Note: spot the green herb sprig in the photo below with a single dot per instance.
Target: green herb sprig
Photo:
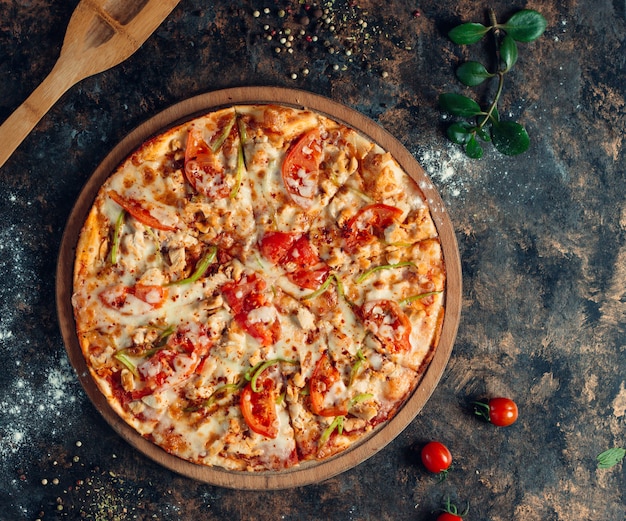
(475, 124)
(611, 457)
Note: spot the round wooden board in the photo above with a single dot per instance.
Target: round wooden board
(309, 472)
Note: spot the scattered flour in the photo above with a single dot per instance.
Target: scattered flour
(445, 167)
(32, 404)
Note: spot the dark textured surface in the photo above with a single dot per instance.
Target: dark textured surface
(541, 239)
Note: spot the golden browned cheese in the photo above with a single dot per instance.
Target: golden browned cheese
(221, 260)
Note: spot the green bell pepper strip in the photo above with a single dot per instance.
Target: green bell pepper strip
(362, 397)
(239, 173)
(413, 298)
(225, 389)
(321, 289)
(369, 272)
(332, 277)
(337, 423)
(201, 268)
(117, 236)
(356, 366)
(262, 366)
(122, 357)
(220, 140)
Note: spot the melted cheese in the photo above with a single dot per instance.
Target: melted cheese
(182, 354)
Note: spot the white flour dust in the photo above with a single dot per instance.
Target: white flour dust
(445, 167)
(32, 403)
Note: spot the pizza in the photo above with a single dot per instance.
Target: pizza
(258, 287)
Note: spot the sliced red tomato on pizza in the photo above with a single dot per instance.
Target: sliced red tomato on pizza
(172, 363)
(141, 211)
(369, 223)
(388, 323)
(300, 169)
(275, 245)
(259, 407)
(133, 300)
(203, 169)
(251, 309)
(325, 389)
(310, 271)
(304, 266)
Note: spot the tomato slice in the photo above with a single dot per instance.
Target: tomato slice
(135, 208)
(389, 324)
(252, 310)
(370, 222)
(174, 362)
(116, 297)
(300, 169)
(245, 294)
(153, 295)
(202, 168)
(259, 408)
(324, 377)
(310, 271)
(306, 268)
(309, 279)
(275, 245)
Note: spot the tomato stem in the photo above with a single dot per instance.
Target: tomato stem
(481, 409)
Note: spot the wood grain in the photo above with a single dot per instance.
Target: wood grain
(308, 472)
(100, 35)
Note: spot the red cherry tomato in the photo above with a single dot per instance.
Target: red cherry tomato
(451, 512)
(500, 411)
(447, 516)
(436, 457)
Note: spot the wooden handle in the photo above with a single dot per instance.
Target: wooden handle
(19, 124)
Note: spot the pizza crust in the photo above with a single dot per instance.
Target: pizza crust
(209, 264)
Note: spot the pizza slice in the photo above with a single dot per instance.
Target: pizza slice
(296, 161)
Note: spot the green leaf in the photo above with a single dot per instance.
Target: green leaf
(483, 134)
(459, 132)
(508, 52)
(468, 33)
(495, 115)
(473, 149)
(510, 138)
(610, 457)
(525, 25)
(459, 105)
(473, 73)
